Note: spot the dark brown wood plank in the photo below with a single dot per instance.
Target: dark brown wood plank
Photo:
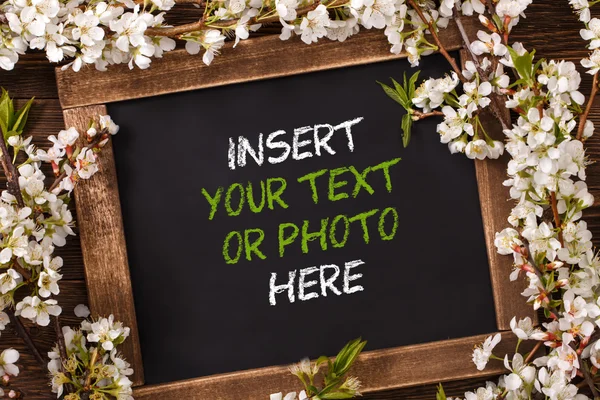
(103, 241)
(261, 58)
(34, 76)
(380, 370)
(33, 380)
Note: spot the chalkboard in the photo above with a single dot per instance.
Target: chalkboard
(405, 263)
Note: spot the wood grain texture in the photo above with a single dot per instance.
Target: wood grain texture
(34, 76)
(107, 270)
(103, 242)
(260, 58)
(379, 370)
(33, 380)
(495, 208)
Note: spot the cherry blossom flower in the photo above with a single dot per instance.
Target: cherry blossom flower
(482, 353)
(36, 310)
(313, 24)
(8, 358)
(82, 311)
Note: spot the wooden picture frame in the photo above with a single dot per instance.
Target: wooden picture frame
(83, 95)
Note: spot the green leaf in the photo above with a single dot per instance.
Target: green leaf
(402, 93)
(440, 395)
(313, 389)
(322, 360)
(523, 64)
(411, 85)
(406, 128)
(347, 356)
(5, 111)
(330, 385)
(337, 395)
(21, 117)
(393, 94)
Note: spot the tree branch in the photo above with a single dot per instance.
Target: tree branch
(436, 38)
(19, 268)
(57, 181)
(11, 174)
(176, 31)
(556, 215)
(495, 107)
(589, 379)
(62, 350)
(533, 351)
(584, 116)
(23, 333)
(418, 115)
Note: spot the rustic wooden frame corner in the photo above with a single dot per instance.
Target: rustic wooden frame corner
(83, 95)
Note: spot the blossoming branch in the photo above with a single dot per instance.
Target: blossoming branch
(34, 220)
(103, 33)
(548, 239)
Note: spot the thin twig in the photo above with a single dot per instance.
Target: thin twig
(556, 215)
(495, 107)
(57, 181)
(12, 175)
(588, 107)
(588, 378)
(418, 115)
(436, 38)
(175, 31)
(62, 350)
(23, 333)
(533, 351)
(19, 268)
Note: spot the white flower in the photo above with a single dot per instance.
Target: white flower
(524, 328)
(289, 396)
(511, 8)
(105, 331)
(36, 310)
(377, 13)
(507, 240)
(482, 353)
(242, 30)
(453, 125)
(87, 31)
(495, 149)
(592, 62)
(287, 9)
(592, 33)
(520, 372)
(341, 30)
(477, 149)
(487, 43)
(162, 45)
(314, 23)
(82, 311)
(85, 163)
(468, 6)
(9, 280)
(8, 358)
(48, 282)
(211, 40)
(582, 7)
(130, 29)
(431, 93)
(475, 96)
(4, 320)
(107, 123)
(25, 24)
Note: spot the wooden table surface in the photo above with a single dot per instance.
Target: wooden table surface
(550, 28)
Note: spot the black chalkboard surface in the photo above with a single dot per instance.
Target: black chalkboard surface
(377, 240)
